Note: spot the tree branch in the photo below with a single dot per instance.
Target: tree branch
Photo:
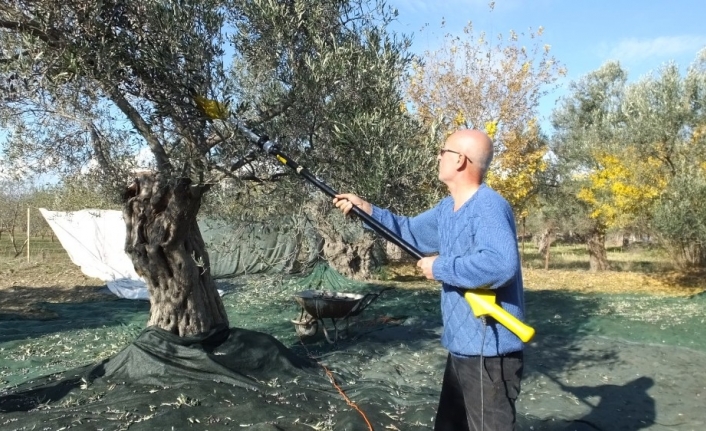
(97, 144)
(279, 109)
(160, 156)
(31, 28)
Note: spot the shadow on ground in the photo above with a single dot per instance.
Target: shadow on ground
(47, 318)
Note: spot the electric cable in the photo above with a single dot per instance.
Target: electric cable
(340, 390)
(482, 398)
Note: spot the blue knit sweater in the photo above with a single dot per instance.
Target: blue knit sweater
(477, 248)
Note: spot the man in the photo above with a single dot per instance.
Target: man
(473, 232)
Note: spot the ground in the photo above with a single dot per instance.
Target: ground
(614, 350)
(69, 284)
(25, 286)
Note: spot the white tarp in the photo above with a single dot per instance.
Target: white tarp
(95, 241)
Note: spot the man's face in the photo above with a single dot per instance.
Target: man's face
(449, 159)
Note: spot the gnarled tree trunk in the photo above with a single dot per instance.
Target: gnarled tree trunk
(354, 260)
(688, 255)
(598, 258)
(346, 246)
(165, 245)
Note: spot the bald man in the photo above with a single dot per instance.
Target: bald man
(471, 243)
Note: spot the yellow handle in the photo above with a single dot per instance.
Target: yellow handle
(482, 302)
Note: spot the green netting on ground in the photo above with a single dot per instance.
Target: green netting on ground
(646, 319)
(609, 362)
(323, 277)
(287, 245)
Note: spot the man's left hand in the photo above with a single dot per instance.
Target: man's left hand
(426, 264)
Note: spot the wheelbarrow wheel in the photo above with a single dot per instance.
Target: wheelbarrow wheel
(306, 327)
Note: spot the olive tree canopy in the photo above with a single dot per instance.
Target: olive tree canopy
(95, 84)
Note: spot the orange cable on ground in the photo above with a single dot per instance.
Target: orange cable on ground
(343, 394)
(340, 390)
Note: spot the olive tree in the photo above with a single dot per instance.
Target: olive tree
(12, 213)
(666, 122)
(632, 153)
(586, 120)
(99, 82)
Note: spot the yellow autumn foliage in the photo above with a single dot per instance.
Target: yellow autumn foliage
(459, 120)
(514, 174)
(491, 128)
(622, 187)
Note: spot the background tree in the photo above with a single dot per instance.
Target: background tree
(586, 121)
(102, 81)
(519, 172)
(627, 150)
(666, 124)
(13, 213)
(473, 82)
(558, 214)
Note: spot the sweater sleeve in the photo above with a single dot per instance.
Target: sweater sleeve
(493, 259)
(420, 231)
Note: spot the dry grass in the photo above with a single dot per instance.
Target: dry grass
(23, 284)
(635, 271)
(668, 283)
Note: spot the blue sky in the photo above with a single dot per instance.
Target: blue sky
(642, 35)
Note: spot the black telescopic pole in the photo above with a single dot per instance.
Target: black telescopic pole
(271, 148)
(482, 301)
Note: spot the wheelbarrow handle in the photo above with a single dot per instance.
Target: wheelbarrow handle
(366, 300)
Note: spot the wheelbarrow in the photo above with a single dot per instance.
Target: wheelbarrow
(318, 305)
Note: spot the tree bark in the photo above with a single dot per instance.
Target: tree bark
(598, 258)
(545, 243)
(165, 245)
(347, 249)
(688, 256)
(351, 260)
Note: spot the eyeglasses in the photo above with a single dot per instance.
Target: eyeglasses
(446, 150)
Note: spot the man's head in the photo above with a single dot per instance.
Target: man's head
(465, 158)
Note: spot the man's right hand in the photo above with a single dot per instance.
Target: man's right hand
(345, 202)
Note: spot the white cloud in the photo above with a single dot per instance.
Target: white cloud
(634, 49)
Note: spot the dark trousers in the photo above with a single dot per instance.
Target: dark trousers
(463, 406)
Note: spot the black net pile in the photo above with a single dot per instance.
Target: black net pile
(227, 379)
(230, 378)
